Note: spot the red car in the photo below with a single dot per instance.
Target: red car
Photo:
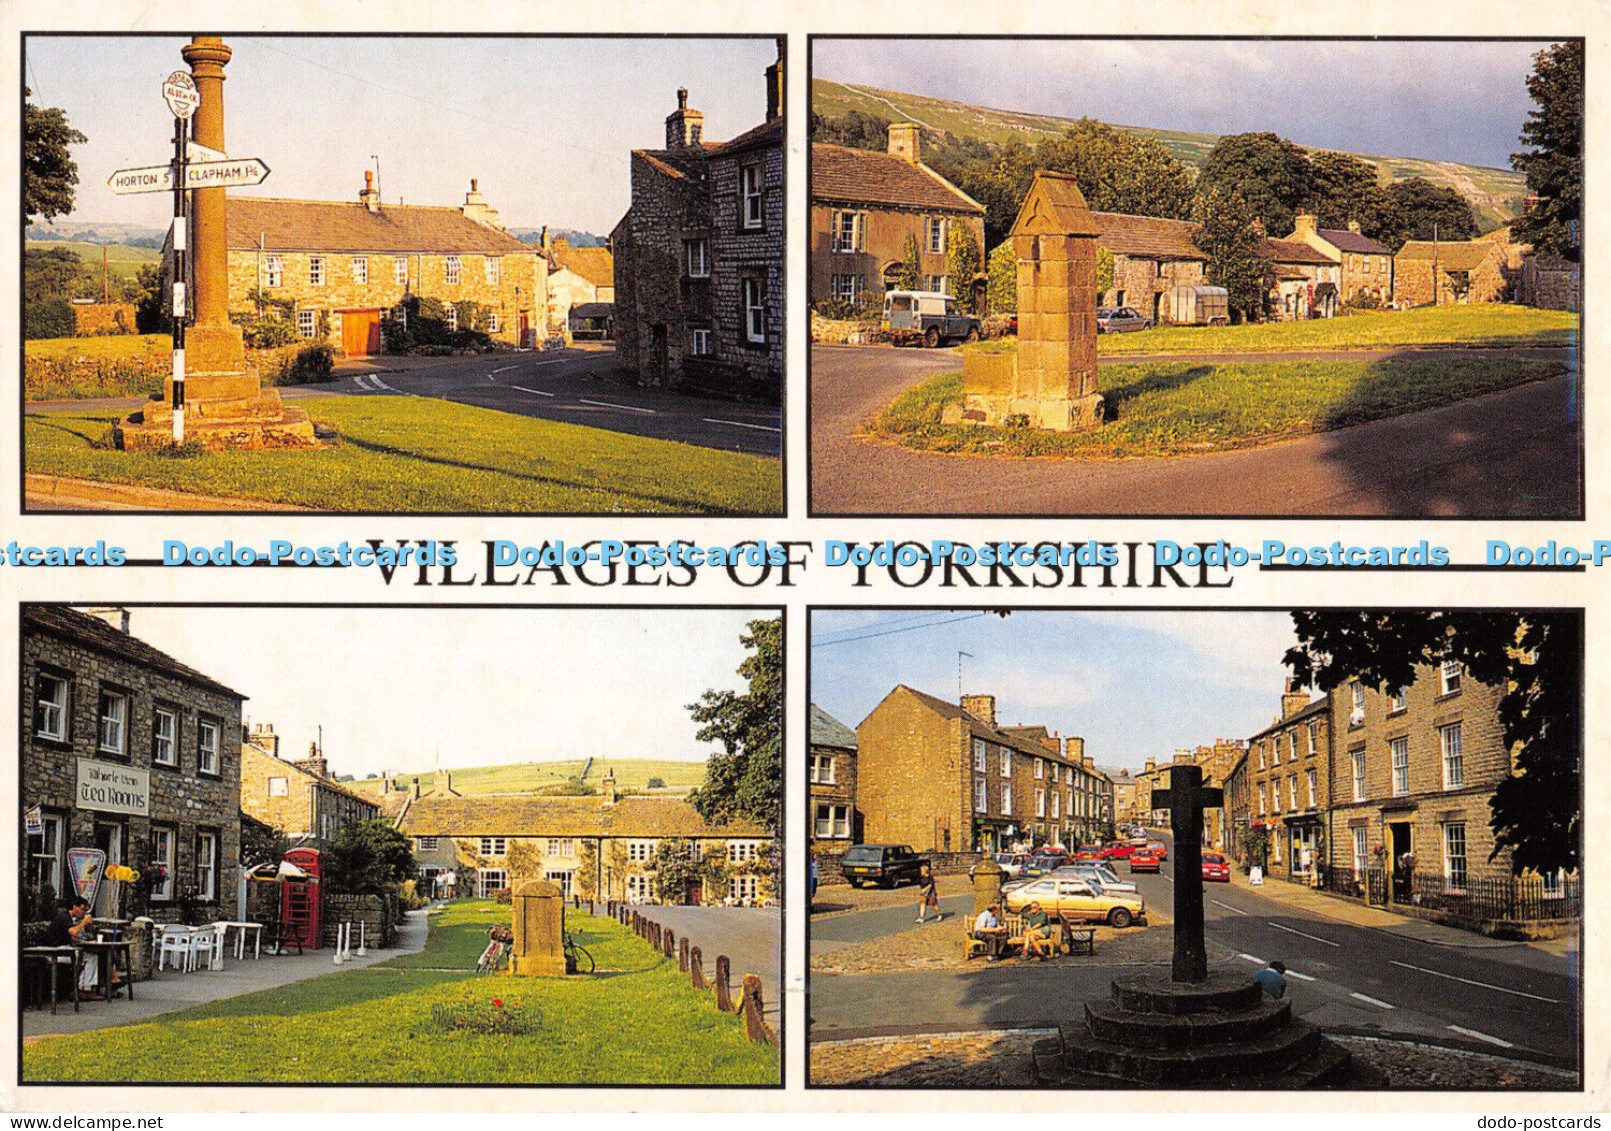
(1089, 852)
(1215, 868)
(1118, 850)
(1143, 861)
(1158, 847)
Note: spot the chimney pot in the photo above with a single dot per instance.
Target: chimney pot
(682, 98)
(474, 182)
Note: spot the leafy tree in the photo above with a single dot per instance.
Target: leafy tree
(49, 173)
(53, 272)
(852, 129)
(1345, 189)
(961, 261)
(367, 857)
(655, 783)
(1536, 656)
(676, 869)
(1104, 269)
(1118, 171)
(1225, 234)
(909, 275)
(1416, 209)
(1272, 175)
(744, 781)
(49, 318)
(1002, 293)
(1000, 184)
(1554, 164)
(261, 843)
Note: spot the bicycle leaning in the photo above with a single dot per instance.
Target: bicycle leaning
(578, 959)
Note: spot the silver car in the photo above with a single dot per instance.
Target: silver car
(1116, 319)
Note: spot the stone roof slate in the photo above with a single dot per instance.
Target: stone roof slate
(829, 731)
(1319, 706)
(979, 729)
(1147, 237)
(595, 264)
(526, 816)
(322, 225)
(1450, 256)
(1344, 240)
(92, 632)
(862, 176)
(1292, 251)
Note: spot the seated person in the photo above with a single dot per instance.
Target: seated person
(988, 927)
(1037, 941)
(71, 926)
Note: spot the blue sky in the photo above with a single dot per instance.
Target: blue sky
(1133, 684)
(546, 125)
(486, 687)
(1450, 101)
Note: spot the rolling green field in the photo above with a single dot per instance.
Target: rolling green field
(532, 777)
(1495, 194)
(122, 261)
(420, 454)
(1191, 408)
(636, 1021)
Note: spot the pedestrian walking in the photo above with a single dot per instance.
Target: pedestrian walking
(928, 897)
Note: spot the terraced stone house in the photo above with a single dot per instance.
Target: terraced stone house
(296, 796)
(127, 750)
(1367, 266)
(835, 822)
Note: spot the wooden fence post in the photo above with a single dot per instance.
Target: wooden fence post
(682, 956)
(669, 943)
(696, 969)
(724, 989)
(755, 1026)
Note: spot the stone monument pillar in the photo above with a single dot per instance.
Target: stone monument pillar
(1051, 382)
(225, 407)
(987, 877)
(539, 913)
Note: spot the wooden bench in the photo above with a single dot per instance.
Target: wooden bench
(1076, 937)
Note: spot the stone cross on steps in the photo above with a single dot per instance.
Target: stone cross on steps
(1186, 798)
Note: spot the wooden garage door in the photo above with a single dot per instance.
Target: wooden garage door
(360, 332)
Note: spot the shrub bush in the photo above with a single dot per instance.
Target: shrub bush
(504, 895)
(311, 365)
(501, 1016)
(50, 318)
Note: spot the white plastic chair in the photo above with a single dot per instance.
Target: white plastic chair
(206, 944)
(174, 941)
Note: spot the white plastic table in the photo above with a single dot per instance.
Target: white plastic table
(240, 939)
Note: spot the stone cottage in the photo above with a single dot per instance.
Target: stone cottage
(296, 796)
(835, 823)
(1426, 273)
(602, 846)
(866, 205)
(581, 288)
(1150, 255)
(1301, 281)
(127, 750)
(344, 267)
(1367, 266)
(699, 274)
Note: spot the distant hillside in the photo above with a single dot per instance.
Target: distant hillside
(1496, 195)
(122, 260)
(90, 231)
(533, 777)
(571, 236)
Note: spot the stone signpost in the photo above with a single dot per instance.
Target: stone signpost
(539, 914)
(1051, 381)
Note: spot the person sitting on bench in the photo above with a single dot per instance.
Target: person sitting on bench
(1036, 940)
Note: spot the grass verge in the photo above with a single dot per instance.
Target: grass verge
(1178, 408)
(1493, 324)
(638, 1021)
(117, 365)
(420, 454)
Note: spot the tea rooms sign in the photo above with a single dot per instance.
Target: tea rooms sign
(110, 788)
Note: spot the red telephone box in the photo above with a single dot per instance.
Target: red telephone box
(301, 901)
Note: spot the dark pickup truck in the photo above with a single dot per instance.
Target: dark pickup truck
(885, 864)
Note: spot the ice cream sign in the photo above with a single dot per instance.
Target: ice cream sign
(110, 788)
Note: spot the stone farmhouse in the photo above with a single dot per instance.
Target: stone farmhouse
(1367, 266)
(581, 288)
(866, 205)
(835, 821)
(297, 797)
(1427, 273)
(1303, 281)
(600, 847)
(345, 267)
(944, 777)
(130, 751)
(699, 271)
(1150, 256)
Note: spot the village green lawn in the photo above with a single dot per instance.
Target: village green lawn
(1490, 324)
(1180, 408)
(636, 1021)
(422, 454)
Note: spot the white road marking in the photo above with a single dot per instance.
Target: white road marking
(1373, 1001)
(1469, 982)
(505, 369)
(741, 424)
(622, 407)
(1479, 1036)
(1315, 938)
(358, 379)
(376, 379)
(1227, 907)
(1301, 977)
(1250, 958)
(533, 392)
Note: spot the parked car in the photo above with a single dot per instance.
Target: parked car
(1158, 847)
(1215, 867)
(1118, 850)
(1100, 874)
(1011, 862)
(1143, 861)
(1118, 319)
(886, 864)
(1088, 852)
(1042, 863)
(1078, 899)
(930, 317)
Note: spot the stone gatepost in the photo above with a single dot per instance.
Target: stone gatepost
(987, 877)
(539, 914)
(1051, 382)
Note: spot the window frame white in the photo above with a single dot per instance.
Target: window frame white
(209, 756)
(752, 193)
(493, 846)
(934, 235)
(492, 269)
(743, 851)
(360, 270)
(485, 887)
(158, 713)
(162, 891)
(206, 865)
(696, 267)
(273, 271)
(452, 267)
(1456, 876)
(316, 271)
(981, 756)
(400, 270)
(1006, 799)
(52, 852)
(1361, 789)
(1398, 757)
(307, 323)
(112, 729)
(1453, 755)
(640, 851)
(831, 821)
(62, 707)
(699, 341)
(852, 241)
(822, 769)
(1361, 847)
(279, 786)
(981, 796)
(1450, 677)
(752, 295)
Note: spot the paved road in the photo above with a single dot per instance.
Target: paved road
(842, 930)
(572, 385)
(1508, 454)
(750, 936)
(1340, 976)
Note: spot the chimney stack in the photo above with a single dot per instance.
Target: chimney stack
(369, 197)
(684, 127)
(414, 790)
(1293, 700)
(981, 707)
(1304, 226)
(115, 615)
(475, 208)
(774, 86)
(610, 796)
(906, 141)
